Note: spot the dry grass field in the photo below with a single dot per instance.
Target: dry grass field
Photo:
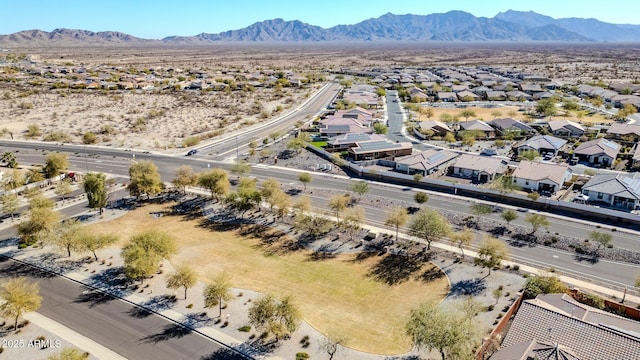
(347, 296)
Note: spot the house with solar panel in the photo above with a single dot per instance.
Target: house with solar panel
(600, 152)
(617, 190)
(379, 149)
(427, 162)
(543, 144)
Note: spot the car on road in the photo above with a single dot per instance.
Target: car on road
(192, 152)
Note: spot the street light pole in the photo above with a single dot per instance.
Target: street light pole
(237, 151)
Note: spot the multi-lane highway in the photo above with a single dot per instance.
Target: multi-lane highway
(113, 323)
(117, 162)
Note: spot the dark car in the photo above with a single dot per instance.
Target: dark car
(192, 152)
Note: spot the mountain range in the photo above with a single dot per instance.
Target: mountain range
(507, 26)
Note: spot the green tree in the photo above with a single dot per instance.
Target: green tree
(537, 221)
(449, 138)
(601, 240)
(380, 128)
(491, 253)
(534, 196)
(19, 296)
(92, 242)
(528, 155)
(302, 205)
(38, 227)
(421, 197)
(270, 190)
(281, 202)
(55, 164)
(305, 178)
(10, 159)
(144, 252)
(297, 144)
(34, 175)
(397, 217)
(338, 203)
(418, 177)
(183, 277)
(12, 180)
(69, 354)
(546, 107)
(543, 284)
(495, 114)
(94, 185)
(312, 226)
(241, 168)
(353, 220)
(497, 294)
(462, 238)
(468, 139)
(185, 176)
(144, 179)
(480, 210)
(10, 203)
(504, 184)
(64, 189)
(216, 181)
(278, 317)
(247, 197)
(217, 291)
(448, 332)
(429, 225)
(467, 113)
(359, 187)
(67, 236)
(509, 216)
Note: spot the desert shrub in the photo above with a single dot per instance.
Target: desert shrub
(25, 105)
(33, 130)
(189, 306)
(302, 356)
(190, 141)
(89, 138)
(57, 136)
(489, 308)
(245, 328)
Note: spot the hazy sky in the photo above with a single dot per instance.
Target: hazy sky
(160, 18)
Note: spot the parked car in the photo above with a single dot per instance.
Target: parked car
(489, 152)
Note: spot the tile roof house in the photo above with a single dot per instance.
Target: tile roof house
(377, 149)
(479, 168)
(542, 144)
(345, 141)
(555, 326)
(518, 95)
(438, 127)
(566, 128)
(623, 131)
(340, 126)
(447, 96)
(635, 160)
(496, 95)
(466, 95)
(479, 126)
(506, 125)
(426, 162)
(541, 177)
(619, 190)
(598, 152)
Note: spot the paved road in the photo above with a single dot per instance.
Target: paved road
(118, 161)
(115, 323)
(238, 143)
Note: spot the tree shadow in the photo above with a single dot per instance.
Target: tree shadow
(113, 280)
(590, 259)
(364, 255)
(171, 331)
(498, 231)
(223, 354)
(529, 238)
(20, 269)
(395, 269)
(430, 275)
(323, 252)
(157, 303)
(93, 297)
(196, 320)
(468, 287)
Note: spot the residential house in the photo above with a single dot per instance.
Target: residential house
(598, 152)
(426, 162)
(417, 95)
(479, 168)
(543, 144)
(619, 190)
(626, 132)
(531, 88)
(329, 128)
(555, 326)
(509, 125)
(447, 96)
(635, 160)
(480, 127)
(541, 177)
(345, 141)
(517, 95)
(621, 100)
(378, 149)
(566, 128)
(466, 95)
(542, 95)
(438, 127)
(496, 95)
